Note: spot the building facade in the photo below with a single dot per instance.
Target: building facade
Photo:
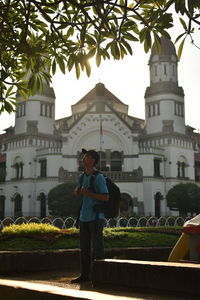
(144, 157)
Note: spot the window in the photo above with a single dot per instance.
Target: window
(153, 109)
(46, 110)
(21, 110)
(178, 109)
(157, 162)
(181, 167)
(2, 207)
(43, 168)
(116, 161)
(42, 199)
(2, 171)
(18, 206)
(165, 69)
(156, 71)
(18, 168)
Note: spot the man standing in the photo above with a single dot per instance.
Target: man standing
(91, 222)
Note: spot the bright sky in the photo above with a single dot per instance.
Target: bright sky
(127, 80)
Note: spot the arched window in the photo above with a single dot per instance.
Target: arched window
(116, 161)
(18, 167)
(181, 167)
(2, 207)
(17, 206)
(158, 197)
(42, 199)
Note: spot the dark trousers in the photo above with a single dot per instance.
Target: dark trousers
(91, 244)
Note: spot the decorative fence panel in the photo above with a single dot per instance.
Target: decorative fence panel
(69, 222)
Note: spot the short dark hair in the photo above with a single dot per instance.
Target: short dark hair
(92, 153)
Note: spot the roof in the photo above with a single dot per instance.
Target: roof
(99, 90)
(168, 47)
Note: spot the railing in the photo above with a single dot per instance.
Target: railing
(69, 222)
(46, 151)
(116, 176)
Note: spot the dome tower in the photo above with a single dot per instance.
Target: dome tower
(37, 114)
(164, 99)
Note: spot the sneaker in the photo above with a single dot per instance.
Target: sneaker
(80, 279)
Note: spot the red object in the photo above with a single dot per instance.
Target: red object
(192, 229)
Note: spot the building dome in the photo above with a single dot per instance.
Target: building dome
(168, 47)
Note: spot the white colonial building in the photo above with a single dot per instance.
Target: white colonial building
(144, 157)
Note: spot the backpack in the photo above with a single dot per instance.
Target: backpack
(110, 208)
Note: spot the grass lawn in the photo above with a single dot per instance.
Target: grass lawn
(32, 237)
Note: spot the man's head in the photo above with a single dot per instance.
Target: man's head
(91, 153)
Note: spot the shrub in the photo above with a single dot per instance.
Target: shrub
(31, 228)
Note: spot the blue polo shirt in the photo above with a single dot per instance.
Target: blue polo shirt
(87, 212)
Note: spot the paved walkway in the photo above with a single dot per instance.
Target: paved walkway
(62, 279)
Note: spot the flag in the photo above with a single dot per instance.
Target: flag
(101, 137)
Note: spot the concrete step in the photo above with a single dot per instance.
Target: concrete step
(12, 290)
(42, 260)
(148, 276)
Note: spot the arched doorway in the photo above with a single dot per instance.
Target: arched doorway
(158, 197)
(17, 206)
(2, 207)
(126, 205)
(42, 199)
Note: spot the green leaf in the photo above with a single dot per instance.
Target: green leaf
(91, 53)
(117, 10)
(71, 62)
(8, 106)
(130, 37)
(98, 59)
(142, 34)
(115, 50)
(88, 68)
(191, 6)
(123, 51)
(78, 72)
(180, 48)
(183, 24)
(54, 67)
(9, 91)
(180, 6)
(61, 63)
(23, 95)
(146, 46)
(127, 46)
(157, 42)
(179, 37)
(148, 38)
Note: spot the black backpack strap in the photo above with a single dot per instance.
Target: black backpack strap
(79, 210)
(92, 179)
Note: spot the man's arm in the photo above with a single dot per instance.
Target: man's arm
(86, 192)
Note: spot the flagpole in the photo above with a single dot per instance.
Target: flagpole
(101, 142)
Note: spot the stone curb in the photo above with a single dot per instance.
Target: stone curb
(163, 277)
(32, 261)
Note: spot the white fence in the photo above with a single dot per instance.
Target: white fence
(69, 222)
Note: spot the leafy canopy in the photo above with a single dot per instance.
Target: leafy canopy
(62, 201)
(37, 36)
(184, 197)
